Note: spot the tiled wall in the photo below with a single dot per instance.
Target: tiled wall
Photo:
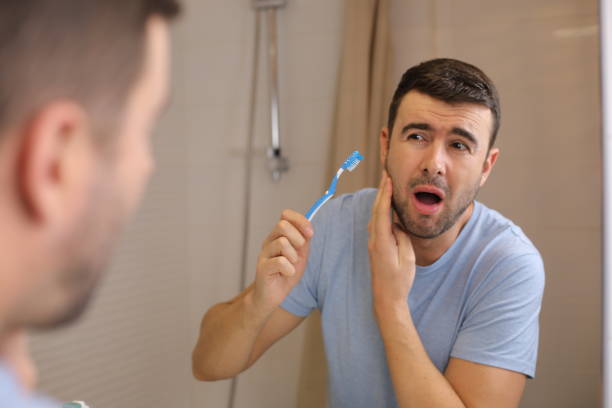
(543, 55)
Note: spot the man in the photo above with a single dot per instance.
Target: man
(428, 298)
(81, 85)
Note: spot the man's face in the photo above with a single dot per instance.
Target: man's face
(114, 190)
(438, 158)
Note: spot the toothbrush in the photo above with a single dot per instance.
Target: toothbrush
(349, 164)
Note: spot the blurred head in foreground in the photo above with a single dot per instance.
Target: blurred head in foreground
(82, 83)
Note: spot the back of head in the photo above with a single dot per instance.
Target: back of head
(89, 51)
(70, 70)
(451, 81)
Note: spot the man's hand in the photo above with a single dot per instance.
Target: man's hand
(234, 334)
(392, 258)
(282, 259)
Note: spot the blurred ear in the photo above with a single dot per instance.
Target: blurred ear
(488, 165)
(55, 157)
(384, 145)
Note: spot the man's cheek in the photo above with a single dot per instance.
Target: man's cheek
(394, 216)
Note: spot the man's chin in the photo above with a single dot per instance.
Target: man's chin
(427, 227)
(75, 312)
(68, 315)
(425, 233)
(410, 226)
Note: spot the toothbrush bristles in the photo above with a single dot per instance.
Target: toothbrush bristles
(352, 165)
(353, 160)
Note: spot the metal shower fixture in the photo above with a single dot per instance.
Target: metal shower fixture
(263, 4)
(277, 163)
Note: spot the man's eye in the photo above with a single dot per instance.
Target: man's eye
(460, 146)
(415, 136)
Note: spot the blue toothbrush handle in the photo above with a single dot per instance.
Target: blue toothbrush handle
(315, 207)
(328, 194)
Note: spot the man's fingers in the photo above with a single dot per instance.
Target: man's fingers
(382, 219)
(380, 188)
(285, 228)
(298, 221)
(281, 246)
(294, 226)
(385, 198)
(374, 214)
(280, 265)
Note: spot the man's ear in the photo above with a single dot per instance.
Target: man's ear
(488, 165)
(385, 139)
(54, 159)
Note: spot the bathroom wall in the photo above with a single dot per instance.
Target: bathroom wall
(181, 253)
(543, 56)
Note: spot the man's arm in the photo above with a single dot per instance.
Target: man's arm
(418, 383)
(480, 385)
(233, 335)
(416, 380)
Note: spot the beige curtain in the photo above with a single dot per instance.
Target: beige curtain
(362, 100)
(363, 91)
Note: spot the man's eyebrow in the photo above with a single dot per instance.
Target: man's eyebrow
(464, 133)
(420, 126)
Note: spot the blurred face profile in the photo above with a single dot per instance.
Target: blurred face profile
(116, 185)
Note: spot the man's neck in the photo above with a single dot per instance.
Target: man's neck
(428, 251)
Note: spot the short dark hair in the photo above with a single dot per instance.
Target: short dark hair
(90, 51)
(451, 81)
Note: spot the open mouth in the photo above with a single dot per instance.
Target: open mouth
(428, 199)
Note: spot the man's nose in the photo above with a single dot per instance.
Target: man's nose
(434, 162)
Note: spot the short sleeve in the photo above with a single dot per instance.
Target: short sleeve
(303, 298)
(501, 324)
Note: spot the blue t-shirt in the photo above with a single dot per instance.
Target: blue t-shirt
(13, 396)
(479, 301)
